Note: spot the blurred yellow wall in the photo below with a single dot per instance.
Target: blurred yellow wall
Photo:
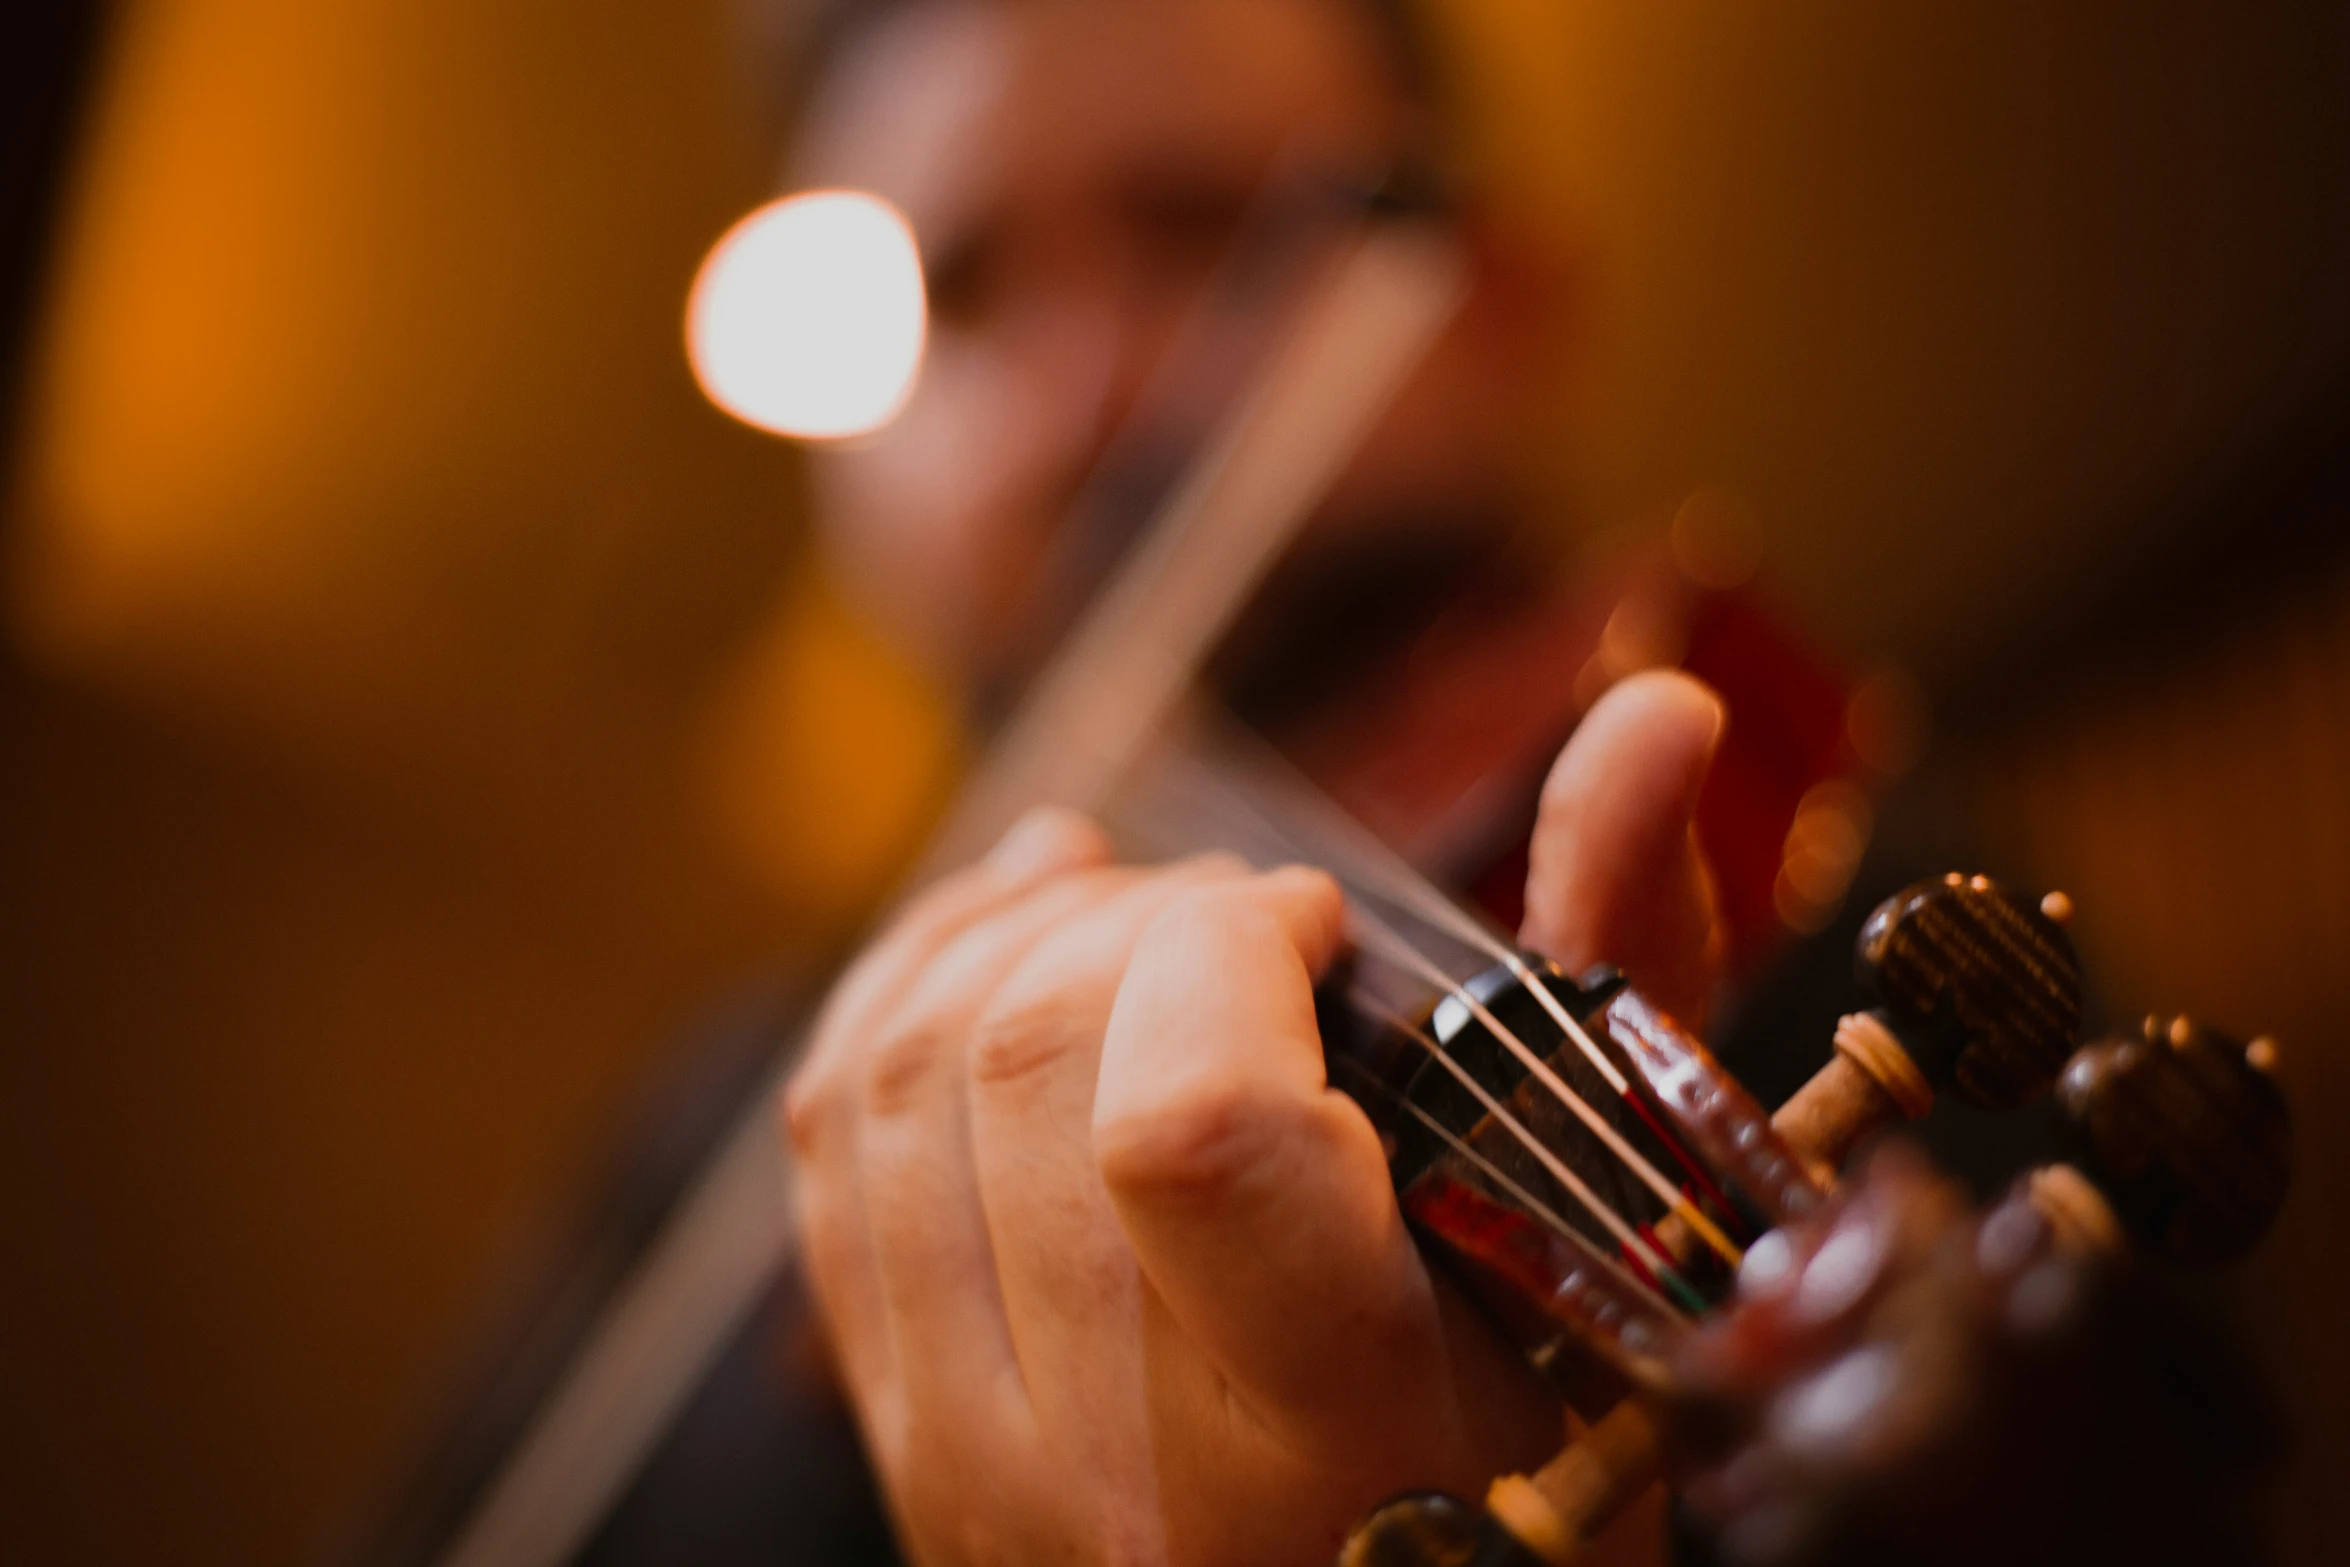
(1960, 294)
(364, 425)
(414, 712)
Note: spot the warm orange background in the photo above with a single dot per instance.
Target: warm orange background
(414, 706)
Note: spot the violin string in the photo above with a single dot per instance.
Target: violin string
(1277, 785)
(1616, 1224)
(1346, 842)
(1404, 887)
(1185, 792)
(1632, 1240)
(1372, 932)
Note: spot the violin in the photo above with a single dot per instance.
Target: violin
(1573, 1156)
(1568, 1153)
(1626, 1213)
(1613, 1198)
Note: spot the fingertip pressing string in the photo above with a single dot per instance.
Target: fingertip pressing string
(1370, 868)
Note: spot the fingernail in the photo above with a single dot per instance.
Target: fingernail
(1844, 1269)
(2010, 1236)
(1769, 1270)
(1828, 1412)
(2041, 1301)
(1046, 840)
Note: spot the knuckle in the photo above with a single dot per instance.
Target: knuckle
(1018, 1036)
(899, 1065)
(1049, 1004)
(1191, 1143)
(806, 1105)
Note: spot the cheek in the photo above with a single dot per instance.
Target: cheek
(1467, 398)
(907, 516)
(914, 481)
(1453, 434)
(939, 519)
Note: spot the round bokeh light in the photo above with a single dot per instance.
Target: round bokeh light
(807, 318)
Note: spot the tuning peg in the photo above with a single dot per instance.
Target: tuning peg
(1980, 985)
(2188, 1133)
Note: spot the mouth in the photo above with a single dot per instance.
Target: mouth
(1344, 608)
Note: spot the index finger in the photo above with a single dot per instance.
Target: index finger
(1256, 1196)
(1615, 873)
(1045, 844)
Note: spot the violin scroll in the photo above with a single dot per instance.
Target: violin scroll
(1896, 1367)
(2188, 1133)
(1980, 985)
(1903, 1379)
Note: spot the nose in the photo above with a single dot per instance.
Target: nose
(1080, 376)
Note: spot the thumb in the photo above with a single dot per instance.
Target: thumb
(1615, 874)
(1255, 1196)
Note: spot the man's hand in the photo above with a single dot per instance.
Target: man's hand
(1112, 1272)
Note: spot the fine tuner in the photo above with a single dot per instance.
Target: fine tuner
(1599, 1184)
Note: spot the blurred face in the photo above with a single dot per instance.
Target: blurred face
(1076, 170)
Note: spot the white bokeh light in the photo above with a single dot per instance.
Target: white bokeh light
(807, 318)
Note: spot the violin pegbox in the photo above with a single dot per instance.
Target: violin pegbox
(1996, 1390)
(1907, 1380)
(2188, 1133)
(1980, 985)
(1898, 1372)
